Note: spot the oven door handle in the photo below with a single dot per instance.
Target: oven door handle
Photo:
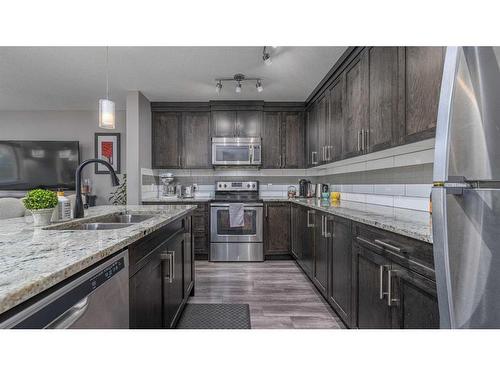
(225, 205)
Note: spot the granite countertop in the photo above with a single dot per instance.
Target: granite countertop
(35, 259)
(177, 200)
(411, 223)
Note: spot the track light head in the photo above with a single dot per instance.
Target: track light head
(259, 87)
(266, 57)
(218, 87)
(238, 87)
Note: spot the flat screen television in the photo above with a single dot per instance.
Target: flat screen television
(26, 165)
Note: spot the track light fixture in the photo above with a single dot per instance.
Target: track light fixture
(258, 85)
(238, 78)
(266, 56)
(218, 87)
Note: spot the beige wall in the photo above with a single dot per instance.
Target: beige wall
(65, 126)
(138, 143)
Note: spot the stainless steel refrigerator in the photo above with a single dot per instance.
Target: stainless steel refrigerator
(466, 191)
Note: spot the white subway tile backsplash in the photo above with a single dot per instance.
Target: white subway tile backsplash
(383, 200)
(353, 197)
(363, 189)
(412, 203)
(392, 189)
(418, 190)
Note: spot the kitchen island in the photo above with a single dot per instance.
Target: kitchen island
(32, 260)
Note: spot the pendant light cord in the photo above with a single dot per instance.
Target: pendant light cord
(107, 73)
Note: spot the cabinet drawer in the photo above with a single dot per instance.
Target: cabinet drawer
(139, 252)
(408, 252)
(200, 241)
(200, 224)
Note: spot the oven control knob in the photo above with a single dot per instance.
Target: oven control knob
(225, 185)
(248, 186)
(253, 185)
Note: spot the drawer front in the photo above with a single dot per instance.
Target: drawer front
(408, 252)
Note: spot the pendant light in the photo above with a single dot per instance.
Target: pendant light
(106, 106)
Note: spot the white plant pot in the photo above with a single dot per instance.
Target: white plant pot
(42, 217)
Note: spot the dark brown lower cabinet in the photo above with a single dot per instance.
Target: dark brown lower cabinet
(277, 229)
(303, 229)
(367, 285)
(162, 276)
(200, 228)
(321, 248)
(389, 295)
(173, 289)
(298, 225)
(146, 307)
(417, 300)
(340, 267)
(372, 307)
(312, 218)
(188, 259)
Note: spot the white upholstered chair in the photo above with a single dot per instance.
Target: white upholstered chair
(11, 208)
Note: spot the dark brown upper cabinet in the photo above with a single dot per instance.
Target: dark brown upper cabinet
(244, 123)
(323, 129)
(335, 119)
(181, 139)
(248, 123)
(294, 139)
(283, 140)
(384, 86)
(271, 140)
(224, 123)
(312, 154)
(423, 70)
(166, 140)
(356, 102)
(196, 140)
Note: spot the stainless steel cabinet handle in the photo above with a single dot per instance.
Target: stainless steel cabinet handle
(390, 300)
(179, 160)
(312, 157)
(281, 161)
(359, 140)
(322, 225)
(362, 140)
(367, 134)
(327, 234)
(172, 263)
(169, 256)
(309, 225)
(388, 246)
(381, 282)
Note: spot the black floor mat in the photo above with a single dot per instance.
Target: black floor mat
(215, 316)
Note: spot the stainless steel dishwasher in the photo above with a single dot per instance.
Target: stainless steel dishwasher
(97, 299)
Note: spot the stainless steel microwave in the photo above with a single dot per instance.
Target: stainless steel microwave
(236, 151)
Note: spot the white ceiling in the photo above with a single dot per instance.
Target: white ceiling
(73, 78)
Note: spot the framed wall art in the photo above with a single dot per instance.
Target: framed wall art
(107, 147)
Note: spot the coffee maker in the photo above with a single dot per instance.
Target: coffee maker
(168, 186)
(304, 186)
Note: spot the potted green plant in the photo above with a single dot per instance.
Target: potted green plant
(41, 204)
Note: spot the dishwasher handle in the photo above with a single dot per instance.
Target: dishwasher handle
(67, 319)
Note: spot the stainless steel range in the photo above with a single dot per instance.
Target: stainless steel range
(236, 223)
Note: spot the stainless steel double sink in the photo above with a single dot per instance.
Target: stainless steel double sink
(114, 221)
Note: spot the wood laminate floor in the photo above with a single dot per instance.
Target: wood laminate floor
(278, 292)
